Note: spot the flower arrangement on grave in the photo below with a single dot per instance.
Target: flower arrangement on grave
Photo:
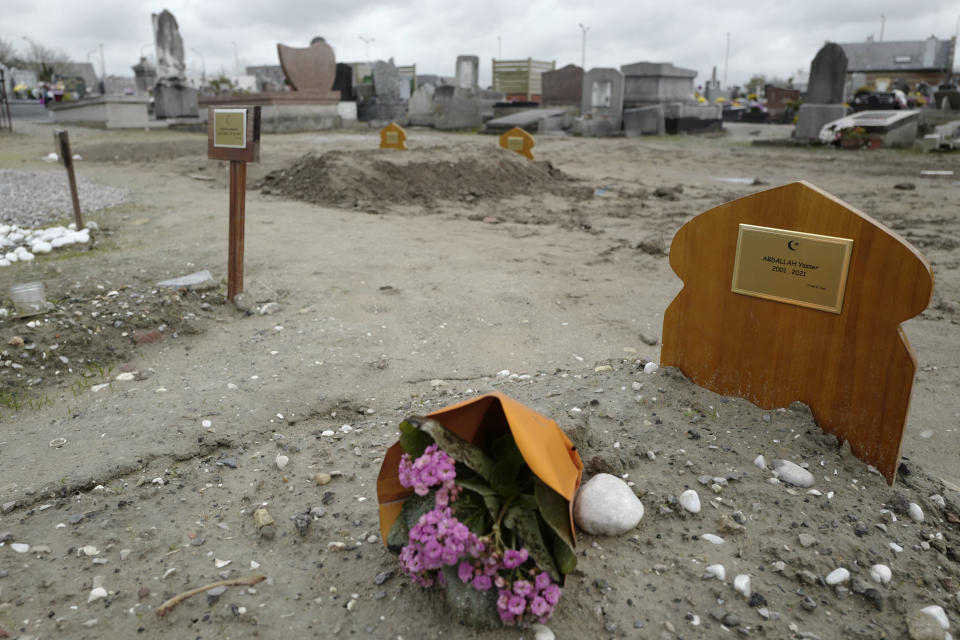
(852, 137)
(480, 524)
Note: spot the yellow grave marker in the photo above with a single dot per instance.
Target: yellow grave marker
(393, 136)
(519, 141)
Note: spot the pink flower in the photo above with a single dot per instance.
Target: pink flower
(465, 571)
(482, 583)
(513, 559)
(522, 587)
(542, 580)
(539, 607)
(551, 594)
(516, 605)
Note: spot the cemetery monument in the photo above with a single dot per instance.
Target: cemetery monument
(824, 103)
(172, 98)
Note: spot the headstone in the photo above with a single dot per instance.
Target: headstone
(393, 136)
(456, 108)
(309, 69)
(601, 102)
(172, 97)
(145, 75)
(778, 103)
(420, 109)
(563, 86)
(343, 81)
(387, 102)
(647, 83)
(816, 291)
(828, 73)
(518, 141)
(712, 90)
(386, 81)
(468, 68)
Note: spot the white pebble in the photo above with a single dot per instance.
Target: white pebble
(915, 512)
(760, 462)
(741, 585)
(690, 501)
(716, 571)
(837, 576)
(881, 573)
(220, 564)
(710, 537)
(124, 554)
(20, 547)
(791, 473)
(636, 386)
(605, 505)
(938, 614)
(327, 433)
(206, 424)
(938, 500)
(96, 594)
(897, 548)
(542, 632)
(650, 367)
(503, 374)
(282, 461)
(346, 428)
(125, 377)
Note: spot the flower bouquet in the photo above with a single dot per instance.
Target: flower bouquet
(475, 499)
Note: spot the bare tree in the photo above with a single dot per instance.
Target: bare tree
(8, 53)
(48, 61)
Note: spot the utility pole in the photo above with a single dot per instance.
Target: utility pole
(103, 72)
(726, 61)
(583, 47)
(883, 23)
(499, 48)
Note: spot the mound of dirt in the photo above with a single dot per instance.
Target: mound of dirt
(368, 179)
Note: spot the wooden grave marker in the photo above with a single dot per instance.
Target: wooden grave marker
(393, 136)
(233, 133)
(791, 294)
(518, 140)
(61, 140)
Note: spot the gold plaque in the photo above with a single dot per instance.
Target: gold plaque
(393, 137)
(230, 128)
(515, 143)
(805, 269)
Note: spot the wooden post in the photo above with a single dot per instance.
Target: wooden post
(238, 188)
(62, 141)
(233, 134)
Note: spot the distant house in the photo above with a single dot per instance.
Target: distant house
(883, 64)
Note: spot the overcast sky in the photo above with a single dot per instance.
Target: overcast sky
(770, 37)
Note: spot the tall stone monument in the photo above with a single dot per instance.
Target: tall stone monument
(828, 73)
(172, 98)
(601, 102)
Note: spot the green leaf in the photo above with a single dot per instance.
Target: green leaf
(555, 511)
(493, 505)
(415, 506)
(526, 501)
(526, 524)
(470, 509)
(456, 447)
(504, 480)
(563, 555)
(399, 535)
(477, 485)
(476, 608)
(413, 440)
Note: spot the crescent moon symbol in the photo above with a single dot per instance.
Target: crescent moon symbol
(790, 245)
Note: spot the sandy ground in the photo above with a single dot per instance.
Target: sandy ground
(390, 308)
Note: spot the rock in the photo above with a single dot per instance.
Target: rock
(915, 512)
(146, 336)
(650, 367)
(741, 585)
(938, 614)
(20, 547)
(605, 505)
(96, 594)
(7, 507)
(542, 632)
(712, 538)
(322, 478)
(860, 529)
(881, 573)
(905, 186)
(690, 501)
(791, 473)
(875, 598)
(938, 500)
(213, 595)
(302, 522)
(921, 626)
(281, 461)
(757, 599)
(715, 571)
(806, 540)
(264, 522)
(382, 577)
(760, 462)
(731, 620)
(269, 308)
(228, 462)
(837, 576)
(808, 603)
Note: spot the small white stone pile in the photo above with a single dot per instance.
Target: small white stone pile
(18, 244)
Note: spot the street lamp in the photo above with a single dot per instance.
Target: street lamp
(583, 47)
(203, 68)
(367, 42)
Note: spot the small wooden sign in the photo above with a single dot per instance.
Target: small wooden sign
(519, 141)
(393, 136)
(233, 133)
(853, 367)
(805, 269)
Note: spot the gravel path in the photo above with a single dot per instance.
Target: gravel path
(36, 198)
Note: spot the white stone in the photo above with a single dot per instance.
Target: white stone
(89, 550)
(915, 512)
(837, 576)
(124, 554)
(690, 501)
(220, 564)
(282, 461)
(327, 433)
(760, 462)
(96, 594)
(791, 473)
(125, 377)
(605, 505)
(881, 573)
(938, 614)
(346, 428)
(542, 632)
(636, 386)
(938, 500)
(741, 585)
(712, 538)
(505, 373)
(896, 548)
(651, 367)
(20, 547)
(716, 571)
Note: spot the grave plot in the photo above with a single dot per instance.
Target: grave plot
(370, 179)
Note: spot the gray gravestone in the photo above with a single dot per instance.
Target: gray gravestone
(647, 83)
(390, 92)
(172, 98)
(828, 74)
(602, 102)
(420, 109)
(468, 68)
(456, 108)
(563, 86)
(386, 81)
